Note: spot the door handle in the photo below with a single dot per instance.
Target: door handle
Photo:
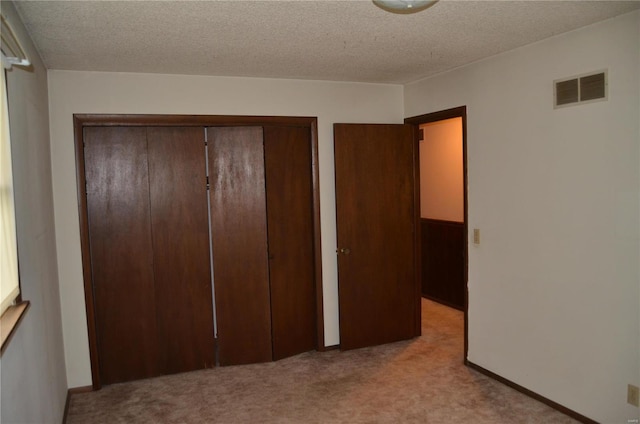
(344, 250)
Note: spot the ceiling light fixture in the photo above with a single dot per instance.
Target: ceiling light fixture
(404, 6)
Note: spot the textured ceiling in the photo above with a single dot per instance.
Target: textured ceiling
(348, 40)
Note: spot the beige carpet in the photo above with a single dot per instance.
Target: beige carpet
(417, 381)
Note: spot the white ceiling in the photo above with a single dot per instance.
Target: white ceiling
(344, 40)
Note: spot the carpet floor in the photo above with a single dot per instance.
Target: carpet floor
(417, 381)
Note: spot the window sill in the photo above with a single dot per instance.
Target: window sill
(10, 320)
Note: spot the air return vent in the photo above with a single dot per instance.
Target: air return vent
(580, 89)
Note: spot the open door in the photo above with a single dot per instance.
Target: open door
(376, 211)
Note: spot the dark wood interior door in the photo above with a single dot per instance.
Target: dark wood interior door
(239, 239)
(287, 156)
(117, 184)
(178, 193)
(376, 228)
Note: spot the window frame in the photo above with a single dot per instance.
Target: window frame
(13, 307)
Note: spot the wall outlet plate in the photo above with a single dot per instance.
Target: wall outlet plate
(633, 395)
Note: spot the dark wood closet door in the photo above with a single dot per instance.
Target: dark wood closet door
(376, 220)
(178, 193)
(121, 252)
(287, 154)
(239, 238)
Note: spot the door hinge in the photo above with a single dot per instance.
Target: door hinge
(208, 182)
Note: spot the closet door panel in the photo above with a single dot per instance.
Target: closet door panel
(181, 248)
(239, 238)
(121, 252)
(287, 153)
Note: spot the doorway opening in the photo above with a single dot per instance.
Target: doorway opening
(442, 177)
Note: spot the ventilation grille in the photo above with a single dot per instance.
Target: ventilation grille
(581, 89)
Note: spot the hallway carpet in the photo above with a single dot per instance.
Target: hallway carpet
(417, 381)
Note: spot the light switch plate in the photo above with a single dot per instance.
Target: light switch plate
(476, 236)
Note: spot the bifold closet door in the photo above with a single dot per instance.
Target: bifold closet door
(148, 226)
(239, 242)
(179, 219)
(117, 179)
(287, 156)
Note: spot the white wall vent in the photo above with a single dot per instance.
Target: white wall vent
(580, 89)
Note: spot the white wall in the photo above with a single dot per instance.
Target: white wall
(441, 171)
(554, 284)
(34, 384)
(93, 92)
